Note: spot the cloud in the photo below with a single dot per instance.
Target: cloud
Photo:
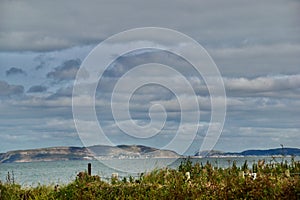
(145, 56)
(35, 27)
(63, 92)
(248, 137)
(7, 90)
(43, 60)
(41, 64)
(15, 71)
(269, 86)
(37, 88)
(257, 60)
(257, 56)
(66, 71)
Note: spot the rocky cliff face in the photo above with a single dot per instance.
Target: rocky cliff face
(82, 153)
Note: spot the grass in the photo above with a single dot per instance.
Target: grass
(189, 181)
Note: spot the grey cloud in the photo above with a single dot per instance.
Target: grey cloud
(66, 71)
(33, 26)
(37, 107)
(15, 71)
(10, 90)
(257, 60)
(61, 92)
(34, 131)
(37, 88)
(136, 58)
(43, 60)
(40, 65)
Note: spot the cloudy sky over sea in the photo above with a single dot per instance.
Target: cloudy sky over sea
(255, 44)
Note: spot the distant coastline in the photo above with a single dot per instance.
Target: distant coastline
(277, 152)
(125, 152)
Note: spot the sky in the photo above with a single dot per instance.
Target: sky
(254, 44)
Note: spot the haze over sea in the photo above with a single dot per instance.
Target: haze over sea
(63, 172)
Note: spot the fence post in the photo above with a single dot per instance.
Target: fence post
(89, 169)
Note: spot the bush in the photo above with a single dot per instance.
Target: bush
(189, 181)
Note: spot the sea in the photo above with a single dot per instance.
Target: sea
(32, 174)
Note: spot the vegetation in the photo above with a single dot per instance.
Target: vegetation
(189, 181)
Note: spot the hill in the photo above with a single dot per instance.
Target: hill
(267, 152)
(124, 152)
(83, 153)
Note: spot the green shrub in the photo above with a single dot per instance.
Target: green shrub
(203, 182)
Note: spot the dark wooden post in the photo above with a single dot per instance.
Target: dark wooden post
(89, 169)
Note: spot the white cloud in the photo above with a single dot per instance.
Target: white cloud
(276, 86)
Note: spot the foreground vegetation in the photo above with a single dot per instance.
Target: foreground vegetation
(189, 181)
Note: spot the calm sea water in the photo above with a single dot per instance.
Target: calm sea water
(62, 172)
